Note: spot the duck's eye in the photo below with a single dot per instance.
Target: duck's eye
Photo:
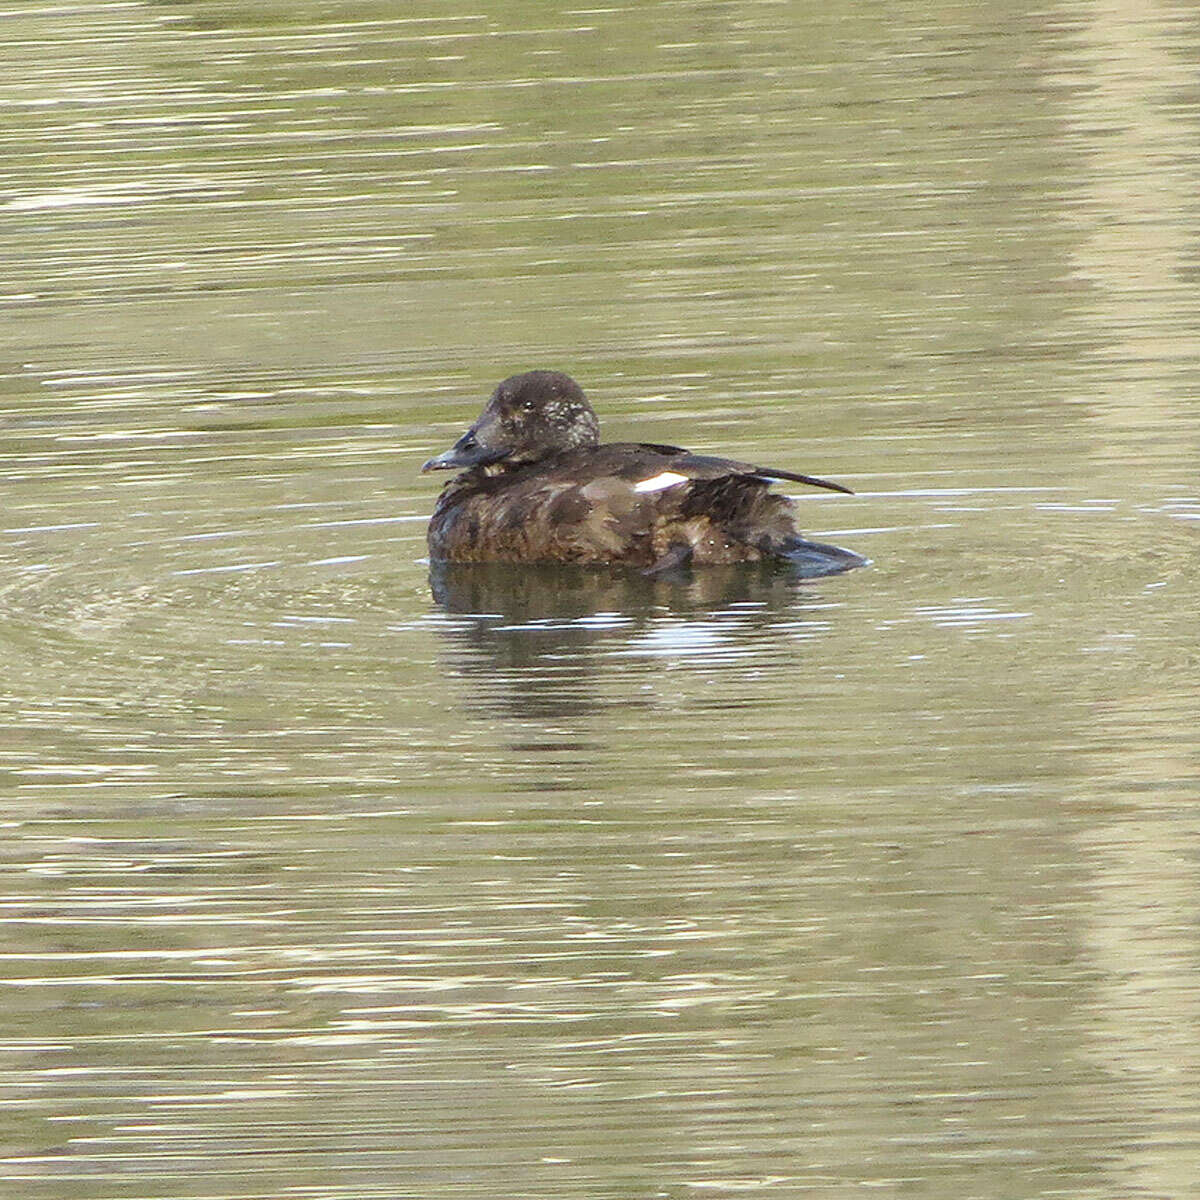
(528, 406)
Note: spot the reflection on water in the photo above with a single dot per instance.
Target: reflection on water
(535, 640)
(579, 884)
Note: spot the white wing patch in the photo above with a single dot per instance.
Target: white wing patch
(657, 482)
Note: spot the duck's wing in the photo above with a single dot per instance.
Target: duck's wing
(664, 461)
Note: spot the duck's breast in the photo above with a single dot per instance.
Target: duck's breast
(542, 519)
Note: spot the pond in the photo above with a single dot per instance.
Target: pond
(328, 874)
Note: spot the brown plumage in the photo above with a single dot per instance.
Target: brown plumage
(537, 486)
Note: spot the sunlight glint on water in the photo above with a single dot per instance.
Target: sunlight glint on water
(325, 874)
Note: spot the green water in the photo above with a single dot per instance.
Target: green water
(321, 879)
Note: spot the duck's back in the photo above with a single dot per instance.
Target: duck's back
(627, 503)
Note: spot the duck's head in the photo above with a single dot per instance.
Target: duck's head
(529, 417)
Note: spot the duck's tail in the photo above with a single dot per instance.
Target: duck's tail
(812, 559)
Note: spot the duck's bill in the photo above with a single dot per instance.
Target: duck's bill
(465, 453)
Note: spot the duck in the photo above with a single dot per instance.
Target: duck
(536, 485)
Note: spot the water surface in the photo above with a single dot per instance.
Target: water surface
(325, 878)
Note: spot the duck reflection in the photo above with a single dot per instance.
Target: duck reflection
(537, 640)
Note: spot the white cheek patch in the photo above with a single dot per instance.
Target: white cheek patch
(658, 482)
